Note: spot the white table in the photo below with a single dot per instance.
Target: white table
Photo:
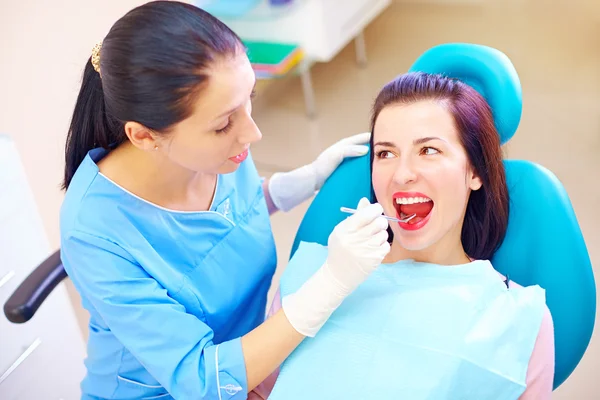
(321, 27)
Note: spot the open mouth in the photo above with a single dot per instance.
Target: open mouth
(408, 204)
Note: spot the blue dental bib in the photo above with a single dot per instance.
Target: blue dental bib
(415, 331)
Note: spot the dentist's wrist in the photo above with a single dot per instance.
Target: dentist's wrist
(312, 304)
(289, 189)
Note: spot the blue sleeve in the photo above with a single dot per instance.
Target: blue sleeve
(174, 346)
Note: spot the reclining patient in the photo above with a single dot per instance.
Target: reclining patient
(435, 320)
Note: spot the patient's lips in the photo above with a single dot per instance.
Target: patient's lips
(409, 203)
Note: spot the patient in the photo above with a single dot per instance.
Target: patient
(436, 155)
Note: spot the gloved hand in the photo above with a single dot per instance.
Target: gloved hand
(289, 189)
(356, 247)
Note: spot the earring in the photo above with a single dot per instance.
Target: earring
(156, 147)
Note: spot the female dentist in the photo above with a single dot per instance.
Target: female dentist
(165, 227)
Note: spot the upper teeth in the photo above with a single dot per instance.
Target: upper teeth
(412, 200)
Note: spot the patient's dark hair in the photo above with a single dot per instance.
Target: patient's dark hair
(486, 217)
(153, 64)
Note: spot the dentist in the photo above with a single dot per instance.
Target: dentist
(165, 227)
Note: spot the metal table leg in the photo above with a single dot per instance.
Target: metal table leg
(309, 93)
(361, 49)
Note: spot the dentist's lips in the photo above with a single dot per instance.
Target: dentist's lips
(409, 203)
(240, 157)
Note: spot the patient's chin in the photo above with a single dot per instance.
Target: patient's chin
(414, 240)
(412, 244)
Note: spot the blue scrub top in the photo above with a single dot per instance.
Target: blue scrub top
(170, 293)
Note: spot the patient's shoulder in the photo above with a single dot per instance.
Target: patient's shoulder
(547, 324)
(540, 373)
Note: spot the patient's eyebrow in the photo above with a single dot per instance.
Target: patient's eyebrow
(427, 139)
(416, 142)
(385, 144)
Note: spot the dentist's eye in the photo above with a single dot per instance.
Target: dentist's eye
(429, 151)
(226, 128)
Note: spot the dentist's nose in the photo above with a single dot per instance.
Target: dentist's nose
(250, 132)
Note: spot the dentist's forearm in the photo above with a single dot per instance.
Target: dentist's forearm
(267, 346)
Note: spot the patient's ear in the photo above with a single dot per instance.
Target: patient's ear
(474, 180)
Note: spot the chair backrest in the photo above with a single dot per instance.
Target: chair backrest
(543, 244)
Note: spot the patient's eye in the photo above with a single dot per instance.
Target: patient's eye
(429, 151)
(384, 154)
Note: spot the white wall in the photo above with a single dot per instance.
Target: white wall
(449, 2)
(43, 48)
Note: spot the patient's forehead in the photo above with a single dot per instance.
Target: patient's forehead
(404, 123)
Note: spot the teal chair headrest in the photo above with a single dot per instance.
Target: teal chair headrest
(543, 244)
(499, 84)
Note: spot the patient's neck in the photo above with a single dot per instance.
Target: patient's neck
(440, 253)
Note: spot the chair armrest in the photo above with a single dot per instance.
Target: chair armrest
(31, 293)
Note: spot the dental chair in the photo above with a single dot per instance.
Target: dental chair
(543, 244)
(538, 249)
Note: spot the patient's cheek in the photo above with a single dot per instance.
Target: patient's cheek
(379, 185)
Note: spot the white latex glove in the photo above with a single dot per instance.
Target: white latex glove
(289, 189)
(356, 247)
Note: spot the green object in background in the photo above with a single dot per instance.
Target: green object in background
(269, 53)
(271, 59)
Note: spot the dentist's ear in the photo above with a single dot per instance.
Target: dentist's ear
(140, 136)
